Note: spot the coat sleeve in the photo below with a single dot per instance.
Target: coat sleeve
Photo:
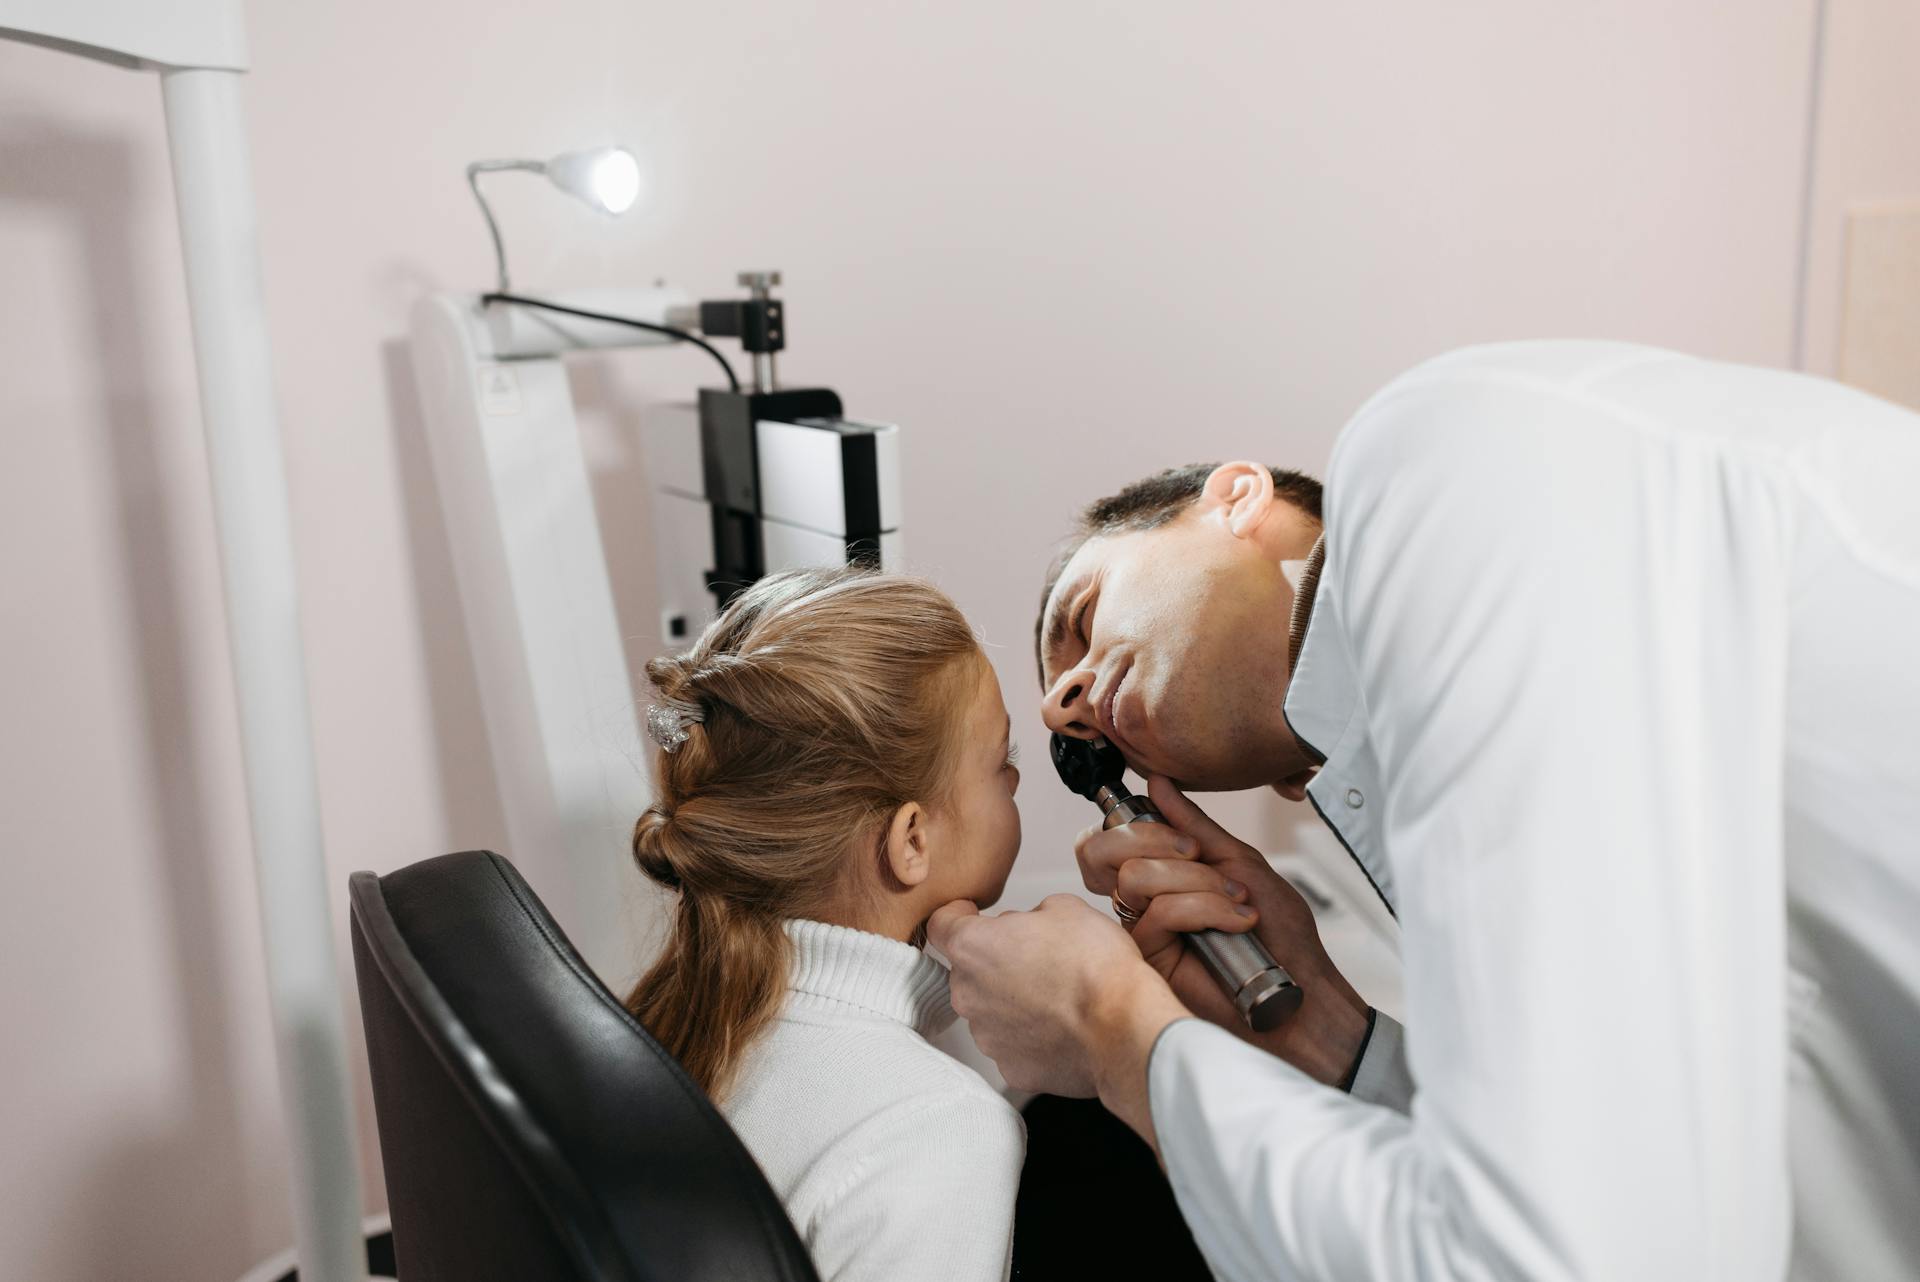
(1568, 628)
(1382, 1077)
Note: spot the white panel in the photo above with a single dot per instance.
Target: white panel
(801, 478)
(886, 448)
(893, 551)
(792, 547)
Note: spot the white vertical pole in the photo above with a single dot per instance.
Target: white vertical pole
(213, 187)
(1809, 177)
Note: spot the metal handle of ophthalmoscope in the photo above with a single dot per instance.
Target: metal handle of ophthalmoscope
(1261, 989)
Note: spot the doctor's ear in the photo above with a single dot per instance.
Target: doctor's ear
(905, 849)
(1245, 492)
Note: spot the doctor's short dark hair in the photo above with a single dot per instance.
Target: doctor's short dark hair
(1148, 504)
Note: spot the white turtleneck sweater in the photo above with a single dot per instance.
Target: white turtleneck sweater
(895, 1161)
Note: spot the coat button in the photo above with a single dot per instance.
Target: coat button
(1354, 799)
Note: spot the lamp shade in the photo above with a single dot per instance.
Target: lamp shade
(608, 178)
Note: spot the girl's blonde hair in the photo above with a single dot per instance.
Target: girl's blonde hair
(825, 700)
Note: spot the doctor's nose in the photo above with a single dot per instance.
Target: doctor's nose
(1068, 705)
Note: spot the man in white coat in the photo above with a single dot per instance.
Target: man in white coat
(1606, 669)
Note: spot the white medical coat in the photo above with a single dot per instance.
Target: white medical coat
(1613, 664)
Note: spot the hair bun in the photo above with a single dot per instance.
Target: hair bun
(653, 847)
(675, 677)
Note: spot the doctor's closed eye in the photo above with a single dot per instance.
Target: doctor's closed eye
(1071, 638)
(1083, 618)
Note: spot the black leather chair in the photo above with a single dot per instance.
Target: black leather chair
(530, 1128)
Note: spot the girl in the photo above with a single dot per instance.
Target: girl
(835, 766)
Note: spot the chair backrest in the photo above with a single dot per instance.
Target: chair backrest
(530, 1128)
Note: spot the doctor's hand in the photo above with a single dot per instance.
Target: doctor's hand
(1191, 874)
(1059, 998)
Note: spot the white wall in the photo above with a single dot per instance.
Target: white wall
(1061, 244)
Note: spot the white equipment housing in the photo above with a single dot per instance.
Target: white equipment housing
(535, 595)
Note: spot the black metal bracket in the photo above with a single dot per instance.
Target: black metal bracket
(759, 323)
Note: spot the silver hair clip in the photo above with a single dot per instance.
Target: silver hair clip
(668, 722)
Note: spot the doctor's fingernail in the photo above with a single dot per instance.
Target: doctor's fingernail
(1235, 890)
(1185, 845)
(1243, 910)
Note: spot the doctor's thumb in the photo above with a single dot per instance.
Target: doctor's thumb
(946, 920)
(1181, 812)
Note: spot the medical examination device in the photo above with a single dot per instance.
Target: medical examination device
(1262, 991)
(745, 481)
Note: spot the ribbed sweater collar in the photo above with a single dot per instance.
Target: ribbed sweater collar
(871, 973)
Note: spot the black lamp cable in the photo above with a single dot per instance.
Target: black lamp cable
(685, 336)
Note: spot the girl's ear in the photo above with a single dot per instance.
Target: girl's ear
(908, 856)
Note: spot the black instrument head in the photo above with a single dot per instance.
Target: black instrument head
(1087, 765)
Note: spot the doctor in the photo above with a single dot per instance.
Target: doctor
(1607, 663)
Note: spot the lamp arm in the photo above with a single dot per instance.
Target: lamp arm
(474, 171)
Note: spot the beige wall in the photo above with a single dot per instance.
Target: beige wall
(1868, 148)
(1867, 152)
(1060, 243)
